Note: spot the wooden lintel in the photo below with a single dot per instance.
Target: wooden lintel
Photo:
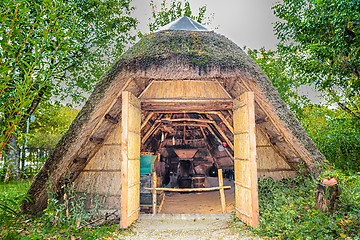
(111, 119)
(96, 140)
(186, 105)
(293, 160)
(79, 160)
(276, 139)
(262, 120)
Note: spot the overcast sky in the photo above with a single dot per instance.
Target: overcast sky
(246, 22)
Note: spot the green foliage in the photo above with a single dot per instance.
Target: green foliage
(35, 39)
(51, 122)
(103, 30)
(70, 208)
(23, 226)
(11, 195)
(287, 211)
(321, 39)
(283, 77)
(171, 11)
(55, 48)
(336, 134)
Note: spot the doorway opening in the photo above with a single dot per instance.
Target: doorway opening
(186, 149)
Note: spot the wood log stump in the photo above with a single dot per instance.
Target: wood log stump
(327, 195)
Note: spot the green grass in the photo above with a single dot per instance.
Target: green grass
(17, 225)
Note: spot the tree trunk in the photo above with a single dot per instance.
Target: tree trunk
(12, 156)
(327, 197)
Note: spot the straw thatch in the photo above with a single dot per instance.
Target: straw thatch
(168, 55)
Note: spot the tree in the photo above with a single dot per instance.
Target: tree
(283, 77)
(54, 47)
(173, 10)
(321, 39)
(51, 122)
(35, 37)
(103, 30)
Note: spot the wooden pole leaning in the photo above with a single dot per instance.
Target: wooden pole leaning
(222, 192)
(154, 196)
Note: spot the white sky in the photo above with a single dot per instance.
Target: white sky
(246, 22)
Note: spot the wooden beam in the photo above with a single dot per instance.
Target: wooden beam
(185, 120)
(262, 120)
(219, 141)
(293, 160)
(97, 140)
(187, 125)
(79, 160)
(186, 105)
(187, 189)
(148, 133)
(111, 119)
(148, 117)
(276, 139)
(226, 122)
(221, 133)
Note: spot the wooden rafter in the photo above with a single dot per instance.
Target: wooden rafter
(227, 140)
(151, 130)
(148, 117)
(219, 141)
(226, 122)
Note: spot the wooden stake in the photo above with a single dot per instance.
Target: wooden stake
(154, 185)
(222, 193)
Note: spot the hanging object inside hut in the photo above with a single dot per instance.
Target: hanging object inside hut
(162, 137)
(213, 171)
(221, 148)
(173, 140)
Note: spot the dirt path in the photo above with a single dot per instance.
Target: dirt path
(186, 227)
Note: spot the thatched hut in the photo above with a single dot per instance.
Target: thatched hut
(187, 87)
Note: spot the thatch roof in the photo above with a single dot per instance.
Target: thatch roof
(168, 55)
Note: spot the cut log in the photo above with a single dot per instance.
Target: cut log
(79, 160)
(111, 119)
(327, 196)
(262, 120)
(276, 139)
(97, 140)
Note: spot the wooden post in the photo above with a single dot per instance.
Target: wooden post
(222, 193)
(154, 185)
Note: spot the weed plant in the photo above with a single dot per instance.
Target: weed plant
(62, 219)
(287, 209)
